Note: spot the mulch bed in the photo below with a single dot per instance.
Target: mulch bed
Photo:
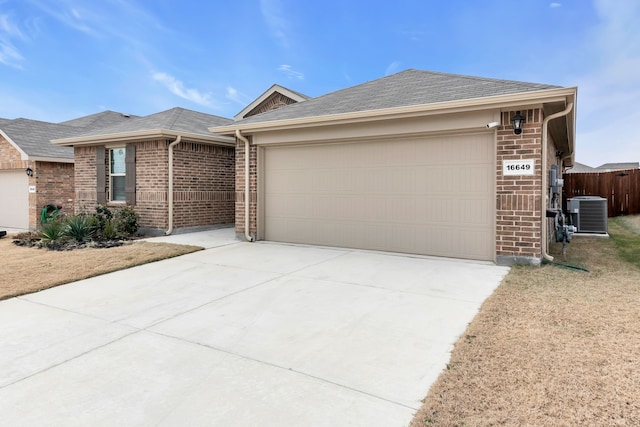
(33, 240)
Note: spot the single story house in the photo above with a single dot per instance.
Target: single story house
(35, 173)
(416, 162)
(167, 166)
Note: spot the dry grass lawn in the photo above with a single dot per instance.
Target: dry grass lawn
(26, 270)
(552, 346)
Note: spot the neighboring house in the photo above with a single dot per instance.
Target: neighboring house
(580, 168)
(129, 165)
(413, 162)
(35, 173)
(167, 166)
(607, 167)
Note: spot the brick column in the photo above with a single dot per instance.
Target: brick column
(54, 185)
(85, 179)
(518, 198)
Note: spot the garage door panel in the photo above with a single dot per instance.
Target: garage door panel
(14, 194)
(429, 196)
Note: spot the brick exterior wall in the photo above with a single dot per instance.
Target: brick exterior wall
(152, 183)
(203, 184)
(9, 156)
(54, 186)
(253, 188)
(85, 179)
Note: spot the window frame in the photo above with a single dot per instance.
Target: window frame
(117, 174)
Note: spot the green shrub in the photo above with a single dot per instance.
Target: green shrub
(52, 231)
(80, 227)
(126, 221)
(109, 230)
(103, 215)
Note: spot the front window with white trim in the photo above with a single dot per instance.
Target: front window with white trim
(117, 174)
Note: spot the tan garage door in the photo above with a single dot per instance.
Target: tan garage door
(14, 199)
(431, 196)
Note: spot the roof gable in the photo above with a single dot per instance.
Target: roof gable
(273, 98)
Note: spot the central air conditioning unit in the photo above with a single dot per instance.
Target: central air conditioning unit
(588, 213)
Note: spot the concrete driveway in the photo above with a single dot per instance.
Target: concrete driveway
(240, 334)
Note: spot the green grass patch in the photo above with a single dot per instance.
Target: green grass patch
(626, 239)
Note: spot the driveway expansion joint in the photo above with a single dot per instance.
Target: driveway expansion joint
(284, 368)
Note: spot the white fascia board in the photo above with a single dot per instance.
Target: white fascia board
(52, 159)
(137, 135)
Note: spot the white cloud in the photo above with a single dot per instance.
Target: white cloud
(177, 88)
(9, 54)
(392, 68)
(554, 5)
(290, 72)
(121, 19)
(272, 11)
(414, 35)
(237, 97)
(9, 28)
(70, 16)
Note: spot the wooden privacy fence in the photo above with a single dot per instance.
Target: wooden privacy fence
(620, 188)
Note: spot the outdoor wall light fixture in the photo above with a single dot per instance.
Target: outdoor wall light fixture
(29, 171)
(518, 121)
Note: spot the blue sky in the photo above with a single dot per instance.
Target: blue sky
(61, 59)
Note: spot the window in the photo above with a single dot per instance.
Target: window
(117, 175)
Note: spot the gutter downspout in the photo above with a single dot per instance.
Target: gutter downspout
(545, 131)
(247, 199)
(170, 194)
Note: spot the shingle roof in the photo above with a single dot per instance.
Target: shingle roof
(34, 136)
(581, 168)
(99, 120)
(176, 119)
(407, 88)
(620, 166)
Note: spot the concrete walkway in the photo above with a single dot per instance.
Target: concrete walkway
(241, 334)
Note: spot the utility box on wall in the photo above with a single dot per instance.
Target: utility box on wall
(588, 214)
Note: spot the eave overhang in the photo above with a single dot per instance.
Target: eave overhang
(142, 135)
(504, 102)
